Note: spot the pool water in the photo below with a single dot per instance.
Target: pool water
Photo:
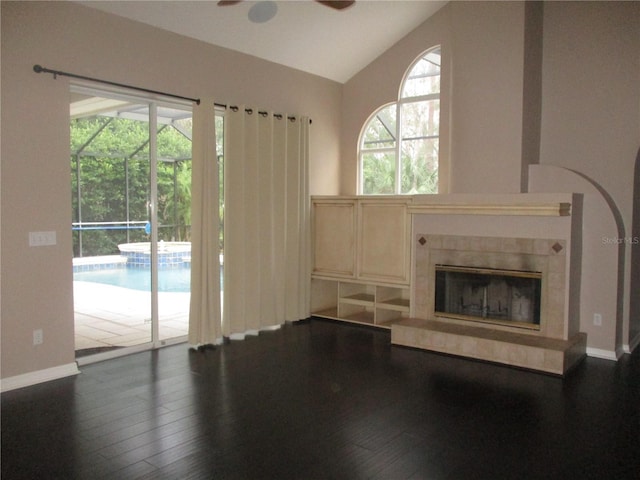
(169, 279)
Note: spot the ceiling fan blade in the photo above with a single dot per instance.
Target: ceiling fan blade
(225, 3)
(337, 4)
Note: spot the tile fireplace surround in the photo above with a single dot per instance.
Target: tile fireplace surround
(553, 348)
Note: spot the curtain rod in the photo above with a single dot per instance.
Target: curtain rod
(55, 73)
(250, 111)
(40, 69)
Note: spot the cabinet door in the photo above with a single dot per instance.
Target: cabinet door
(383, 253)
(334, 237)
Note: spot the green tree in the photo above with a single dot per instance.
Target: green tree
(110, 180)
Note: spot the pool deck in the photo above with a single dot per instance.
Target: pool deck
(109, 316)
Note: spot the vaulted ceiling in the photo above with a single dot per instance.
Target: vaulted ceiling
(303, 34)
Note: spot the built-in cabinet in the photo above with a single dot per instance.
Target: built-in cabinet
(334, 237)
(361, 259)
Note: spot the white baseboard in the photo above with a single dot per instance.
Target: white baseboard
(633, 344)
(604, 354)
(39, 376)
(108, 355)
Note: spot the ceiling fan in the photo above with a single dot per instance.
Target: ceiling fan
(335, 4)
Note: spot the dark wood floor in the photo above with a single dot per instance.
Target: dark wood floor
(320, 399)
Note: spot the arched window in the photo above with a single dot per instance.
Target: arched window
(398, 147)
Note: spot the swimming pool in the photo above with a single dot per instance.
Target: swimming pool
(169, 279)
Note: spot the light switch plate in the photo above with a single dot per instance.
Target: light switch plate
(42, 239)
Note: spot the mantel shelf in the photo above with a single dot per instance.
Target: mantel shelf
(559, 209)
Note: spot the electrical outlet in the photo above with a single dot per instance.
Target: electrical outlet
(597, 319)
(38, 337)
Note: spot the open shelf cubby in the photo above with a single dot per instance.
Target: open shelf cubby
(359, 302)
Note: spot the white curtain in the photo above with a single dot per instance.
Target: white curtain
(205, 314)
(266, 229)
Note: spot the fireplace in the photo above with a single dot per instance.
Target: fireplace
(502, 299)
(488, 295)
(509, 284)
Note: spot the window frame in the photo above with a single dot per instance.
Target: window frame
(397, 148)
(361, 152)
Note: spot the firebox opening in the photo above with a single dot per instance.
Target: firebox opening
(506, 297)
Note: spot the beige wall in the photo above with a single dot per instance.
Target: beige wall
(481, 99)
(634, 284)
(37, 282)
(591, 110)
(487, 96)
(600, 286)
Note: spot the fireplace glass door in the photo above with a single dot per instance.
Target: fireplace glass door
(505, 297)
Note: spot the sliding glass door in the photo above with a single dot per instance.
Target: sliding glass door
(131, 184)
(173, 218)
